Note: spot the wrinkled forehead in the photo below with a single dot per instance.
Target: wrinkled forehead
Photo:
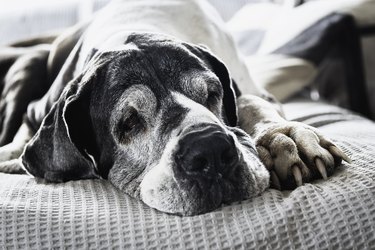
(151, 96)
(164, 69)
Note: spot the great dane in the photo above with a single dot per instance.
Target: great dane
(153, 96)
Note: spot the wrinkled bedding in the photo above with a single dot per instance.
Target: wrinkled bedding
(335, 214)
(319, 44)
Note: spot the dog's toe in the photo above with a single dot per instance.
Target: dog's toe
(295, 153)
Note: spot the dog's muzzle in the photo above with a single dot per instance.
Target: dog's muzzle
(206, 165)
(206, 152)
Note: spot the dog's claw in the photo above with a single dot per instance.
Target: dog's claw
(275, 180)
(338, 153)
(321, 168)
(297, 175)
(297, 153)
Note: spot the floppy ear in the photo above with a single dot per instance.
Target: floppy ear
(221, 71)
(58, 152)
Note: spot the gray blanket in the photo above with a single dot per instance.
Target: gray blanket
(334, 214)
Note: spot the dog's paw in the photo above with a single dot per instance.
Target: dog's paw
(12, 167)
(11, 151)
(295, 153)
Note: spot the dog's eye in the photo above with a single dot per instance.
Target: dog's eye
(213, 98)
(131, 122)
(130, 125)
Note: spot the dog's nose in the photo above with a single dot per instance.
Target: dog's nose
(208, 151)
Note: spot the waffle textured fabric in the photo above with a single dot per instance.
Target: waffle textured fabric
(335, 214)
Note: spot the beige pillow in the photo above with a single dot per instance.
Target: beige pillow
(281, 75)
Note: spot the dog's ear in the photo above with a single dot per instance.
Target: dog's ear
(60, 150)
(221, 71)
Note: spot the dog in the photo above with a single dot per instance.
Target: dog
(154, 97)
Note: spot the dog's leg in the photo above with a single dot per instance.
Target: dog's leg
(25, 81)
(33, 41)
(293, 152)
(23, 78)
(27, 73)
(10, 153)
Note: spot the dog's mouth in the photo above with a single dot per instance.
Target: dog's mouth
(205, 169)
(201, 195)
(188, 196)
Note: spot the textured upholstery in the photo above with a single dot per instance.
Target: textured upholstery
(334, 214)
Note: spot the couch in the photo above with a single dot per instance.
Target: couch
(338, 213)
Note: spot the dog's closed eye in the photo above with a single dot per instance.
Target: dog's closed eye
(215, 93)
(213, 98)
(130, 125)
(131, 122)
(214, 101)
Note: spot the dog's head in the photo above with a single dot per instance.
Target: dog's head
(157, 118)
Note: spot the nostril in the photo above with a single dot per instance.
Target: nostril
(199, 163)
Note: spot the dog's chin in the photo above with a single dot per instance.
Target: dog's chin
(161, 190)
(186, 201)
